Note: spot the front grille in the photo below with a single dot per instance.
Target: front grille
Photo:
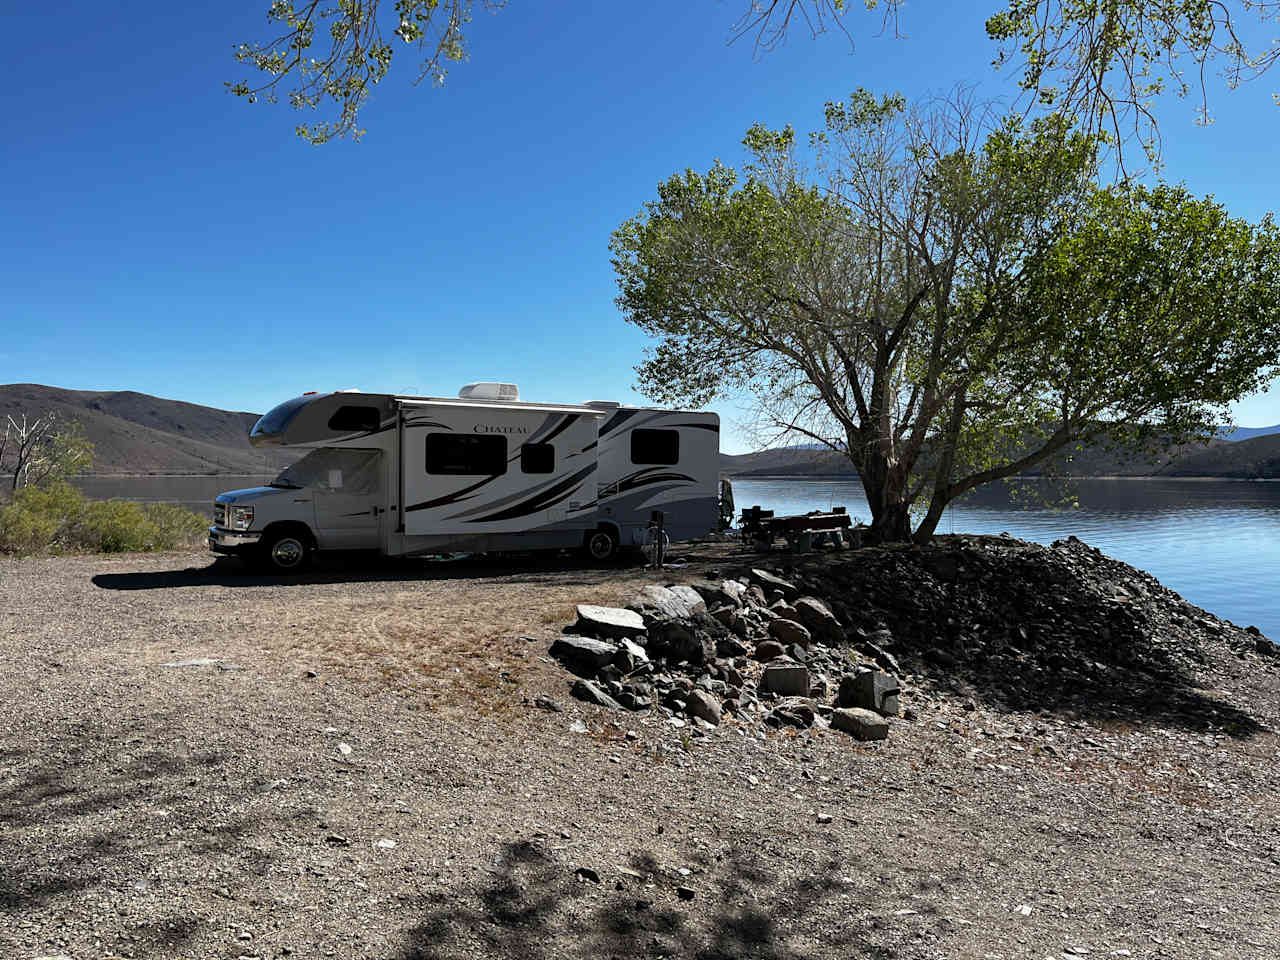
(220, 515)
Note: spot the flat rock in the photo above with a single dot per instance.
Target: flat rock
(788, 632)
(655, 603)
(593, 693)
(768, 581)
(585, 651)
(608, 622)
(861, 724)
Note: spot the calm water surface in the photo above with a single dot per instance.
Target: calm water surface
(1216, 542)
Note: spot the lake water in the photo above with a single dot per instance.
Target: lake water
(1215, 542)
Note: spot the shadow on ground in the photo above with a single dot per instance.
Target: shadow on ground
(533, 906)
(65, 844)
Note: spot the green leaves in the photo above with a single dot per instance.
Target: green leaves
(358, 55)
(956, 304)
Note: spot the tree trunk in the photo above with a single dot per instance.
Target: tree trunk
(891, 524)
(886, 491)
(924, 532)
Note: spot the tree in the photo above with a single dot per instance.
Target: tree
(957, 302)
(1103, 62)
(42, 449)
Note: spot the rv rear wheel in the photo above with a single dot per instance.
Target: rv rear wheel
(602, 545)
(285, 552)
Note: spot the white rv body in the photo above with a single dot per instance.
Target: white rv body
(417, 475)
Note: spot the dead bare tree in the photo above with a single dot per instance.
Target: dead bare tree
(41, 448)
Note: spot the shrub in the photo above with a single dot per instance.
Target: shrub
(56, 517)
(38, 517)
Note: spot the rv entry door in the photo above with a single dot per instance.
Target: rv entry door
(349, 500)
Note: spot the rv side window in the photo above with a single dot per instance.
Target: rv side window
(466, 455)
(537, 458)
(655, 446)
(355, 419)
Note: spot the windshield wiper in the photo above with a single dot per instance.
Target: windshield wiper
(283, 483)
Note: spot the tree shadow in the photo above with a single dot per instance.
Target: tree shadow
(535, 906)
(62, 837)
(1023, 627)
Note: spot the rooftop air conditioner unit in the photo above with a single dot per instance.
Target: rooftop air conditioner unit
(488, 390)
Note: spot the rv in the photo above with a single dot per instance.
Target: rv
(481, 472)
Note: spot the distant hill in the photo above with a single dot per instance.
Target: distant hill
(1248, 433)
(133, 433)
(1256, 457)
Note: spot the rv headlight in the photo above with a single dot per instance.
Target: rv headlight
(241, 518)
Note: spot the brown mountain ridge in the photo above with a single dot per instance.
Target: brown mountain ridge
(135, 433)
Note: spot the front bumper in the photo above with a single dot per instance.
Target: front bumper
(228, 541)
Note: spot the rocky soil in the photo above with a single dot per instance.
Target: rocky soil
(393, 762)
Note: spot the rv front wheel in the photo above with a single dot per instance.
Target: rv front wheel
(602, 545)
(286, 552)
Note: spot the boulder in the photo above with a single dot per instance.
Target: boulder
(704, 706)
(792, 713)
(657, 604)
(785, 677)
(610, 623)
(680, 640)
(767, 581)
(583, 651)
(766, 650)
(593, 693)
(861, 724)
(788, 631)
(819, 621)
(870, 690)
(691, 598)
(785, 610)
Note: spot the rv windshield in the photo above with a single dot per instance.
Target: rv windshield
(332, 470)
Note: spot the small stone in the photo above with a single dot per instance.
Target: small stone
(344, 749)
(579, 727)
(824, 818)
(386, 844)
(337, 840)
(586, 875)
(685, 893)
(592, 693)
(704, 706)
(543, 702)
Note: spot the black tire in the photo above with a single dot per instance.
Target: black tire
(601, 545)
(285, 552)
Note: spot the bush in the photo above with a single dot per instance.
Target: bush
(56, 517)
(38, 517)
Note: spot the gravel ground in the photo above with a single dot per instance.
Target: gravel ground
(358, 770)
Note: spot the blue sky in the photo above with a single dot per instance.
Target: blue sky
(160, 235)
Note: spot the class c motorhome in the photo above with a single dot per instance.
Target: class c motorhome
(481, 472)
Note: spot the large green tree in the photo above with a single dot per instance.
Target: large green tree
(944, 303)
(1104, 62)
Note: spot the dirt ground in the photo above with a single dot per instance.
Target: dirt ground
(355, 767)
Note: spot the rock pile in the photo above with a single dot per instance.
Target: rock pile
(829, 641)
(752, 646)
